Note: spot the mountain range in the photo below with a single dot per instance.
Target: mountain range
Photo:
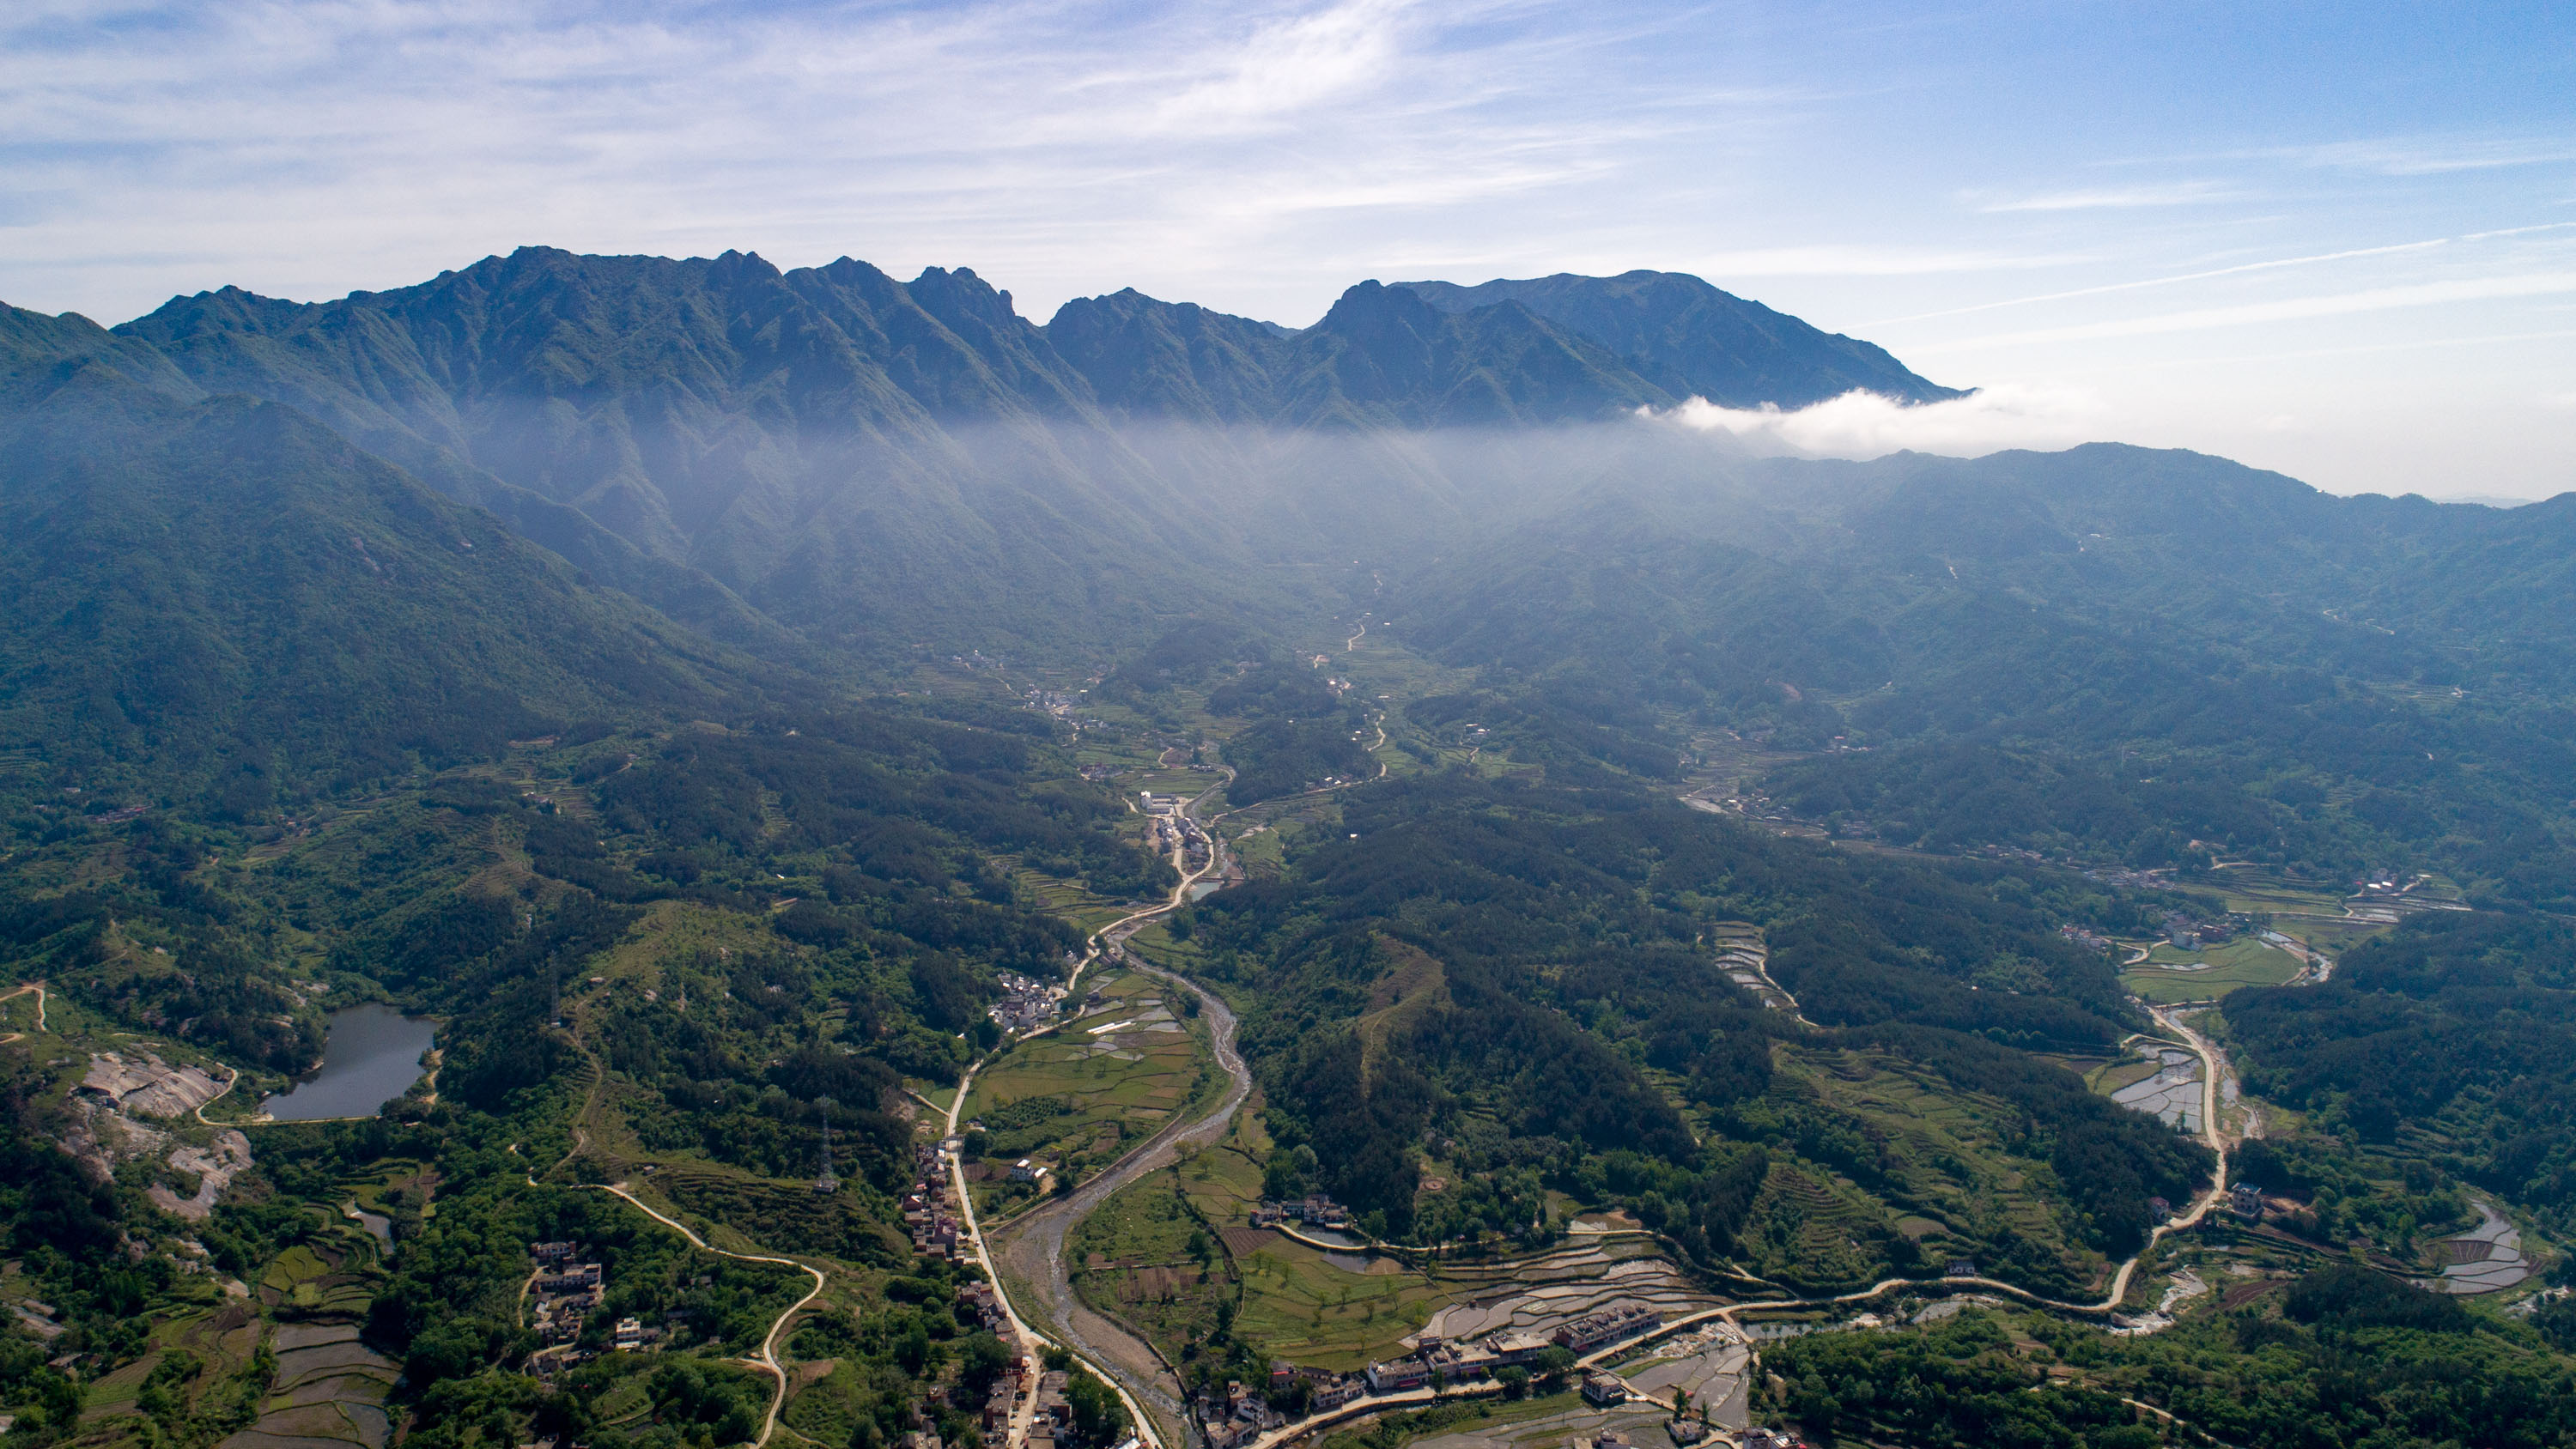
(840, 449)
(825, 468)
(208, 587)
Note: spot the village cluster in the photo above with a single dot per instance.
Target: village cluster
(1050, 1417)
(1317, 1211)
(1239, 1414)
(1027, 1003)
(566, 1292)
(929, 1210)
(1173, 827)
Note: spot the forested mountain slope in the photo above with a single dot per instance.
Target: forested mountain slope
(484, 648)
(286, 731)
(857, 457)
(216, 599)
(853, 455)
(1526, 972)
(828, 459)
(2127, 654)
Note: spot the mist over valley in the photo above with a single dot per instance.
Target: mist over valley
(1162, 878)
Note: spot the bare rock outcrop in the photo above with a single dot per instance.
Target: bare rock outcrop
(215, 1167)
(148, 1086)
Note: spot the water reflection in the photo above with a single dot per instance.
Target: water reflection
(371, 1056)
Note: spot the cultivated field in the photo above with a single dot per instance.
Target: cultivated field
(1085, 1093)
(1942, 1155)
(2169, 974)
(1163, 1253)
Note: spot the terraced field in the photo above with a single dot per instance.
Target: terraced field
(1938, 1166)
(328, 1389)
(1070, 899)
(1535, 1294)
(1148, 1259)
(2168, 1088)
(762, 1211)
(1551, 1423)
(1324, 1308)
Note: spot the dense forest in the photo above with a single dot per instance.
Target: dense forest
(823, 902)
(2036, 652)
(2456, 1031)
(1522, 968)
(1297, 733)
(2344, 1357)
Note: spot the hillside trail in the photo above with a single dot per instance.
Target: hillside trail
(1126, 1363)
(584, 1117)
(1032, 1246)
(2202, 1205)
(768, 1361)
(1732, 1314)
(38, 988)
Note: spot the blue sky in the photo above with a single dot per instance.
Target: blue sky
(2335, 240)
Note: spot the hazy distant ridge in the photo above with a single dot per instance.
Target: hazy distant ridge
(859, 458)
(1690, 339)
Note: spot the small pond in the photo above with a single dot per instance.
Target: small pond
(371, 1056)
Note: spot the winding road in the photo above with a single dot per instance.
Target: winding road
(1031, 1246)
(38, 988)
(1732, 1314)
(768, 1360)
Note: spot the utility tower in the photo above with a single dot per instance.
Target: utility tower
(826, 1182)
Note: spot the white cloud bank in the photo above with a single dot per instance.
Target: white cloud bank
(1865, 425)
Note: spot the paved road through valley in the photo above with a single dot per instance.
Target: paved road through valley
(1031, 1248)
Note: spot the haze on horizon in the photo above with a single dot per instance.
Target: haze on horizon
(2341, 245)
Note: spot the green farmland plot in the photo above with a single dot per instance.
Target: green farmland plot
(1083, 1094)
(2169, 974)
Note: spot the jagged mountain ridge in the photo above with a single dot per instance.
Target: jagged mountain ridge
(836, 451)
(810, 440)
(1380, 358)
(1692, 340)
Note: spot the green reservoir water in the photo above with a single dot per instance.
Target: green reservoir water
(371, 1056)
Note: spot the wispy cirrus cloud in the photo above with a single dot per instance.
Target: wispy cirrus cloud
(314, 145)
(2371, 299)
(2238, 270)
(1868, 160)
(2116, 198)
(1843, 259)
(1288, 65)
(2429, 155)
